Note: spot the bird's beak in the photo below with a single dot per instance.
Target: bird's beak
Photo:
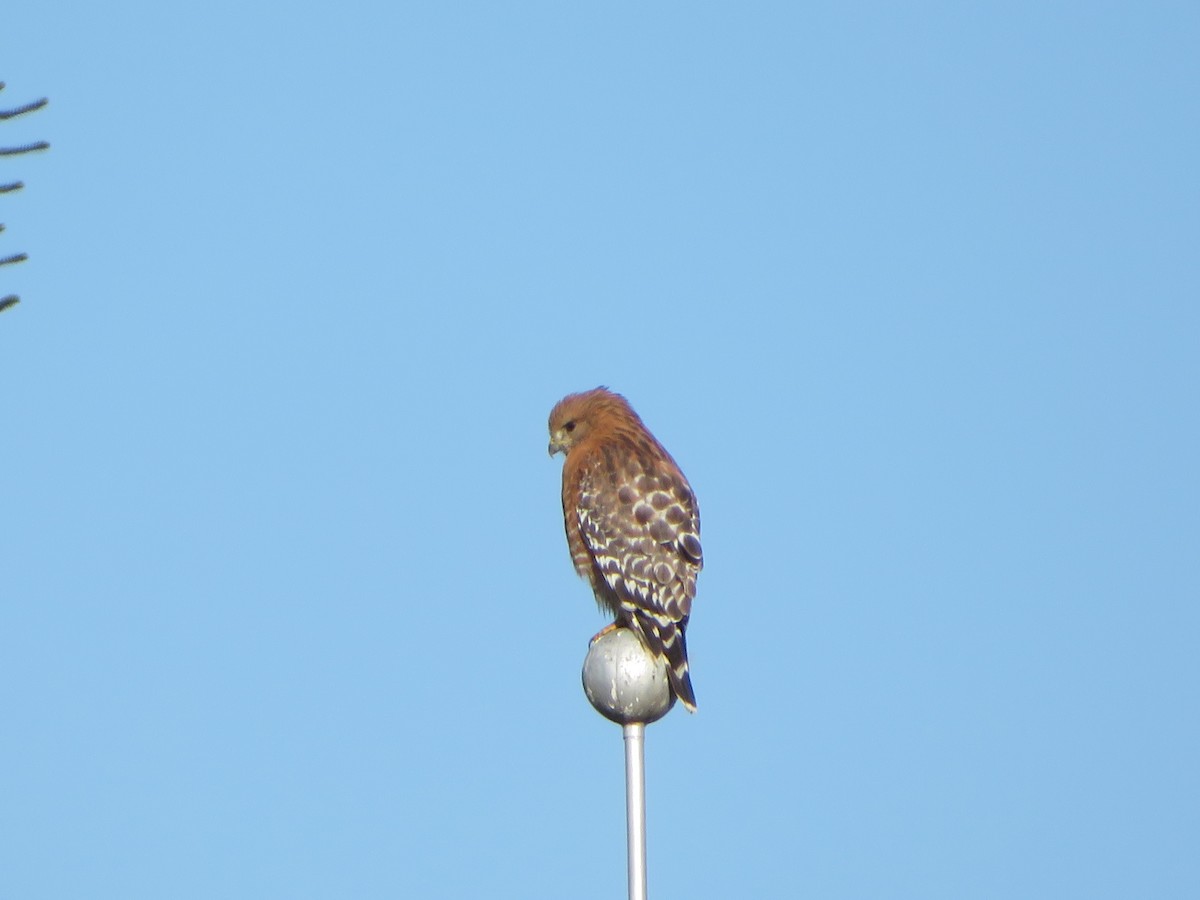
(556, 443)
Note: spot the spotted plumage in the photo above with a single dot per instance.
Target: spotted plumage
(632, 523)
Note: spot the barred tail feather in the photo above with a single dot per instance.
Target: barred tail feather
(665, 638)
(681, 676)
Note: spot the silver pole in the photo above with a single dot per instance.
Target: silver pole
(635, 807)
(627, 685)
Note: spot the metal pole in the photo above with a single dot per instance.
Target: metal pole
(635, 807)
(628, 685)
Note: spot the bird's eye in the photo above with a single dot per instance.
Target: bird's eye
(570, 426)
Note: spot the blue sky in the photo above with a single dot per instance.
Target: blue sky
(910, 293)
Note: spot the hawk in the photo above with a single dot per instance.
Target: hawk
(632, 522)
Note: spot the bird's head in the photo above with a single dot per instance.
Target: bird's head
(575, 416)
(568, 424)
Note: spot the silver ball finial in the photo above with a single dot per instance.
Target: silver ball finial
(624, 682)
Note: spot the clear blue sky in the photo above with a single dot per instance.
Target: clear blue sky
(912, 294)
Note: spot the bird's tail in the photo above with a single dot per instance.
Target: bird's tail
(665, 637)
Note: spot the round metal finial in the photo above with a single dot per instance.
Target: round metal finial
(624, 682)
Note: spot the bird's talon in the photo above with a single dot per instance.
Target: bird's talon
(607, 629)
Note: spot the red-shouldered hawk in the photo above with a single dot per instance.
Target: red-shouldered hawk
(633, 525)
